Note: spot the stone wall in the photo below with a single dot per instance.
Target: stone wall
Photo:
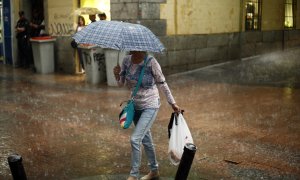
(60, 24)
(64, 55)
(144, 12)
(195, 51)
(201, 16)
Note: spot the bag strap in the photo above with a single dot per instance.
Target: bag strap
(171, 124)
(173, 117)
(140, 78)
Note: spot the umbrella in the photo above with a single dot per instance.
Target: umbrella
(120, 36)
(87, 10)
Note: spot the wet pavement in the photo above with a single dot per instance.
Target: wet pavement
(244, 117)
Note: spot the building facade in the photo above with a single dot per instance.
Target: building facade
(195, 33)
(201, 33)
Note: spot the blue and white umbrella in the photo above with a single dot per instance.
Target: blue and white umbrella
(120, 36)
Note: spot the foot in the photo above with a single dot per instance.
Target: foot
(151, 176)
(132, 178)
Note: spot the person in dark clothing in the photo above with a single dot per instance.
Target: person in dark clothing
(22, 30)
(36, 23)
(102, 16)
(92, 18)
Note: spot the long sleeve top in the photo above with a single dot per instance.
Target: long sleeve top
(148, 94)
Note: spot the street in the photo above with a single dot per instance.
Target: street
(244, 117)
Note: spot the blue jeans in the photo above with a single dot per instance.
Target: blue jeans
(143, 121)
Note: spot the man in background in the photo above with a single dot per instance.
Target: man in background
(36, 23)
(102, 16)
(92, 17)
(23, 35)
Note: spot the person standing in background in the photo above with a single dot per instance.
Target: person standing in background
(92, 17)
(80, 23)
(102, 16)
(36, 23)
(23, 35)
(80, 26)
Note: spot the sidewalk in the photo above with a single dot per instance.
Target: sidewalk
(113, 177)
(243, 115)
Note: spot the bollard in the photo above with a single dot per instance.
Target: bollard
(16, 167)
(186, 161)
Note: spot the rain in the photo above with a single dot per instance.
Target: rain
(243, 116)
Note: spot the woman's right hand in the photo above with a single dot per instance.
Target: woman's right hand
(117, 70)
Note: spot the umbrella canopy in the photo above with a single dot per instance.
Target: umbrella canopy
(87, 10)
(120, 36)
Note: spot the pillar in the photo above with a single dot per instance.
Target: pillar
(144, 12)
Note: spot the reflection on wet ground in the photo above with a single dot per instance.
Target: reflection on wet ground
(244, 118)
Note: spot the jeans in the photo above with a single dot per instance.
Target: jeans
(143, 121)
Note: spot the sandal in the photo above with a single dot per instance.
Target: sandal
(151, 176)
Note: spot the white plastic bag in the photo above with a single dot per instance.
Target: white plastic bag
(180, 135)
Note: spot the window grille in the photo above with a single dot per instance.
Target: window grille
(253, 15)
(290, 13)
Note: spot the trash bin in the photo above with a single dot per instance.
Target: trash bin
(43, 54)
(94, 63)
(111, 60)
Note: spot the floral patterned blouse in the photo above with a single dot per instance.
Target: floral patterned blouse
(147, 95)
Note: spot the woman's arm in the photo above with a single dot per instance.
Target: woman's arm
(162, 84)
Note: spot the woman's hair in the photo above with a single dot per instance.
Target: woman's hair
(82, 18)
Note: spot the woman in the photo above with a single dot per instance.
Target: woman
(147, 103)
(80, 23)
(80, 26)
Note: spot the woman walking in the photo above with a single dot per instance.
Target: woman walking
(147, 103)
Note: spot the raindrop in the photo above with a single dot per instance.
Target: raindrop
(46, 173)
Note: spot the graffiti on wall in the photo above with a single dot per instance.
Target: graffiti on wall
(61, 24)
(99, 59)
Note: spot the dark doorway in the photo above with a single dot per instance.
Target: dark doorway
(37, 4)
(37, 18)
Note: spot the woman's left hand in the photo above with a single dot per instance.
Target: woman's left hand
(176, 108)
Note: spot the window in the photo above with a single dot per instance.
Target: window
(290, 14)
(253, 15)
